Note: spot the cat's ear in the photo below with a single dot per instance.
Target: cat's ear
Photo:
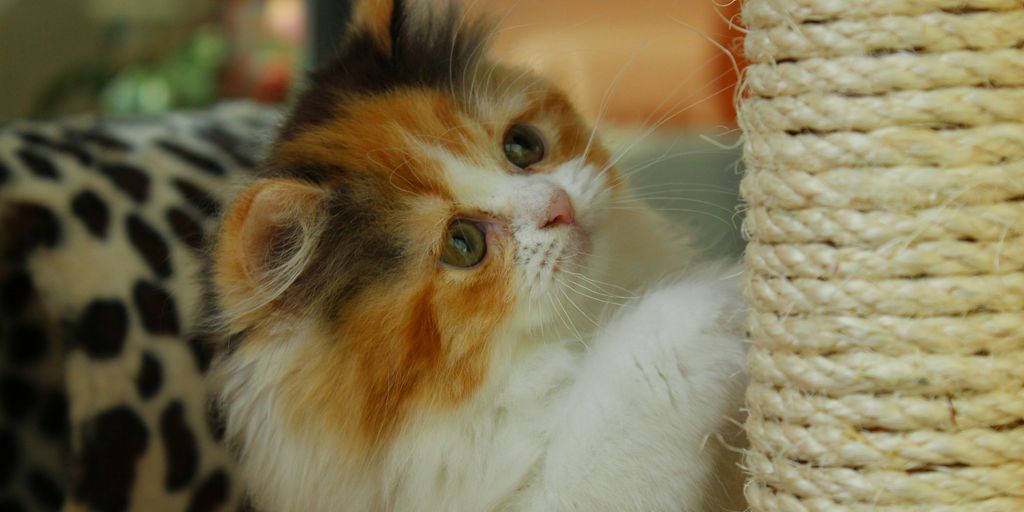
(381, 20)
(267, 238)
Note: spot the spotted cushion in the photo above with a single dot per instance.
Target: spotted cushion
(102, 225)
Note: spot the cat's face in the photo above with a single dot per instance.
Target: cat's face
(412, 215)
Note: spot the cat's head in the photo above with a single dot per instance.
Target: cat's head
(421, 204)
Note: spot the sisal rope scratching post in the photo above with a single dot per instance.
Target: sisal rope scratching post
(885, 183)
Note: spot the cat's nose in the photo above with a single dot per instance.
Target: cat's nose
(559, 211)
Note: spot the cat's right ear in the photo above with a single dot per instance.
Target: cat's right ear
(266, 240)
(380, 20)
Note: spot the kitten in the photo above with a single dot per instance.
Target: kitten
(422, 291)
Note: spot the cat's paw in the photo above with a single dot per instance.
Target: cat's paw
(699, 318)
(684, 335)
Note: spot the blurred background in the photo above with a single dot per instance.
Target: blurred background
(657, 74)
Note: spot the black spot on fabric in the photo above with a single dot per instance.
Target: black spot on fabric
(156, 308)
(187, 229)
(192, 158)
(102, 328)
(34, 138)
(47, 492)
(67, 148)
(16, 290)
(92, 211)
(17, 396)
(246, 504)
(227, 143)
(9, 505)
(53, 415)
(197, 197)
(28, 226)
(201, 351)
(179, 447)
(215, 420)
(150, 377)
(211, 494)
(38, 164)
(111, 446)
(150, 245)
(9, 456)
(99, 138)
(28, 344)
(130, 180)
(5, 173)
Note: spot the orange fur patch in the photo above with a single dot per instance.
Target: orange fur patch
(423, 345)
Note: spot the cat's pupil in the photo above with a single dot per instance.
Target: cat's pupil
(524, 145)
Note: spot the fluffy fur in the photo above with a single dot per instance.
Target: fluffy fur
(364, 374)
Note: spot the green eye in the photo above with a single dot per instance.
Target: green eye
(524, 145)
(465, 244)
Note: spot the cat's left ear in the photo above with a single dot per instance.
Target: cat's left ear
(381, 21)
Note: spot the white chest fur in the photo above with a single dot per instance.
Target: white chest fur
(624, 425)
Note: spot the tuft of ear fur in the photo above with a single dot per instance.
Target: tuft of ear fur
(395, 44)
(266, 240)
(381, 21)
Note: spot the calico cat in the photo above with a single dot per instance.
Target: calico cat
(431, 305)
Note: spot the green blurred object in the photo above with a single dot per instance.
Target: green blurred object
(187, 76)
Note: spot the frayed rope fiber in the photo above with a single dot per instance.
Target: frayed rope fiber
(885, 186)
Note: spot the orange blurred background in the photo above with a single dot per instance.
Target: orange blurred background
(651, 60)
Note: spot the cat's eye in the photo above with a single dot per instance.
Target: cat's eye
(523, 145)
(465, 244)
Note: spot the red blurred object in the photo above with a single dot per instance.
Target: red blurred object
(266, 38)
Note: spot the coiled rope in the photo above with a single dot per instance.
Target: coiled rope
(885, 185)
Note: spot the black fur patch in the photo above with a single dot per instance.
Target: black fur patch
(28, 344)
(102, 328)
(129, 180)
(202, 162)
(197, 197)
(354, 251)
(112, 444)
(211, 494)
(435, 53)
(179, 446)
(150, 245)
(17, 396)
(92, 211)
(150, 377)
(156, 308)
(46, 492)
(187, 229)
(38, 164)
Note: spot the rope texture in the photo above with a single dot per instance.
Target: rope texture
(885, 192)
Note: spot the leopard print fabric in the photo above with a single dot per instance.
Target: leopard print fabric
(102, 224)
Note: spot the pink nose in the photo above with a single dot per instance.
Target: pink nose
(559, 211)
